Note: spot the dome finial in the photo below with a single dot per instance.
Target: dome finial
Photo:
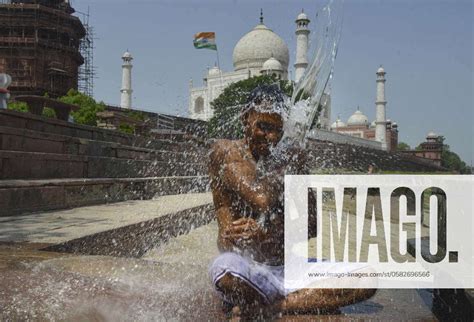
(261, 16)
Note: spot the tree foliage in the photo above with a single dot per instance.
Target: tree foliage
(23, 107)
(451, 160)
(87, 113)
(18, 106)
(402, 146)
(225, 122)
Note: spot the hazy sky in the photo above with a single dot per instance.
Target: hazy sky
(426, 48)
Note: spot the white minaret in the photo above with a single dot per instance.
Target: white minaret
(302, 33)
(380, 120)
(126, 97)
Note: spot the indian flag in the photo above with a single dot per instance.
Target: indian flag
(205, 40)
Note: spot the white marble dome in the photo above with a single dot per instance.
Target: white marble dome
(272, 64)
(358, 119)
(214, 71)
(380, 70)
(338, 124)
(126, 55)
(302, 16)
(432, 135)
(257, 46)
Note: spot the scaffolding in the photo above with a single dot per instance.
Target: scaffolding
(42, 46)
(87, 71)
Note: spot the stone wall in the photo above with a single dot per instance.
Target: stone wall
(330, 157)
(329, 136)
(177, 123)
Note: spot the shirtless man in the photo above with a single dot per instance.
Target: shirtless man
(249, 208)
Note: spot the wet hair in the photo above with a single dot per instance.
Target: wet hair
(271, 94)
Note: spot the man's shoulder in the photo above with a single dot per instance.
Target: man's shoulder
(224, 146)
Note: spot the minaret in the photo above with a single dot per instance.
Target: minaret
(302, 32)
(380, 120)
(126, 97)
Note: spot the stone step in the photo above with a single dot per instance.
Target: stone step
(26, 196)
(12, 139)
(35, 165)
(27, 121)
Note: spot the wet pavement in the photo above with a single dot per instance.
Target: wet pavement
(65, 225)
(170, 282)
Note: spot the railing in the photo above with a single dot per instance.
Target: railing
(323, 135)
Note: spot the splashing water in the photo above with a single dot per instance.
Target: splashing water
(308, 93)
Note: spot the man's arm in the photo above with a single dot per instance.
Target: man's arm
(239, 176)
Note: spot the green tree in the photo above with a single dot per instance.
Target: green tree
(18, 106)
(451, 160)
(23, 107)
(402, 146)
(225, 122)
(87, 113)
(127, 128)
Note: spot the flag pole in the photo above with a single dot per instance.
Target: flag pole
(219, 64)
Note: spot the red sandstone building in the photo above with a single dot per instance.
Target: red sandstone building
(358, 126)
(40, 46)
(430, 149)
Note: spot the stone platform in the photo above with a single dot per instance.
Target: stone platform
(93, 227)
(26, 196)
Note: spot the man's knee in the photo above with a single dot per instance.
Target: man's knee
(238, 290)
(228, 282)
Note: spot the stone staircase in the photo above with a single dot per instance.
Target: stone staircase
(51, 164)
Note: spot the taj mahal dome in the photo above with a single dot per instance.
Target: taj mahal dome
(260, 51)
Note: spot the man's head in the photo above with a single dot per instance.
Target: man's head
(263, 119)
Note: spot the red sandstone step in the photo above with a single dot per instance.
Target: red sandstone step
(26, 196)
(12, 139)
(35, 165)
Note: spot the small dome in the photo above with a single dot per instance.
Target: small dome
(214, 71)
(257, 46)
(302, 16)
(394, 124)
(127, 55)
(358, 119)
(380, 70)
(272, 64)
(432, 135)
(338, 124)
(373, 124)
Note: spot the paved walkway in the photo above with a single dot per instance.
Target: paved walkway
(61, 226)
(169, 282)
